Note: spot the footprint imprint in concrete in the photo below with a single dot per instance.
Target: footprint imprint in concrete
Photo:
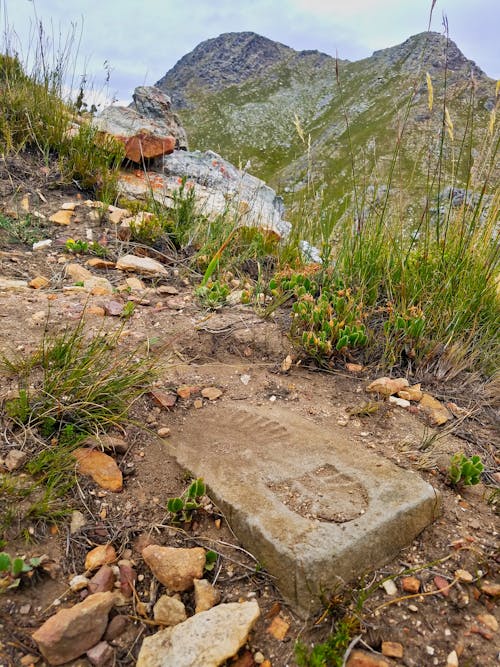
(323, 494)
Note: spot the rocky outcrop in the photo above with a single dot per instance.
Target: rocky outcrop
(151, 102)
(147, 129)
(218, 188)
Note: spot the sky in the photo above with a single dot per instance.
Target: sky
(135, 42)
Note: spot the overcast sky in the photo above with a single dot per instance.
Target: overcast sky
(140, 40)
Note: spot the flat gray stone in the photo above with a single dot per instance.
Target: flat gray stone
(315, 508)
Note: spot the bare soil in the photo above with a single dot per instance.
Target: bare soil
(240, 353)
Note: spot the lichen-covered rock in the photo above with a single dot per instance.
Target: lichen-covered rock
(207, 639)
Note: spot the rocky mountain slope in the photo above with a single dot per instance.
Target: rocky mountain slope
(244, 95)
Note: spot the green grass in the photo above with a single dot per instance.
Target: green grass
(73, 386)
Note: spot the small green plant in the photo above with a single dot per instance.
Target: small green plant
(183, 507)
(210, 560)
(128, 310)
(213, 295)
(465, 471)
(23, 230)
(329, 653)
(12, 569)
(76, 246)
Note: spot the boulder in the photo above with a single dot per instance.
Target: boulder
(218, 188)
(71, 632)
(151, 102)
(208, 638)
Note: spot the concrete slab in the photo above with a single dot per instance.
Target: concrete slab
(316, 509)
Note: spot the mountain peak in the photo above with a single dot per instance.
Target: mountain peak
(229, 59)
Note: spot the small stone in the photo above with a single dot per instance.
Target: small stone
(69, 206)
(25, 609)
(95, 310)
(489, 621)
(116, 214)
(443, 585)
(127, 577)
(493, 590)
(42, 245)
(100, 263)
(145, 265)
(363, 659)
(71, 632)
(413, 393)
(184, 391)
(452, 659)
(113, 308)
(116, 627)
(15, 459)
(410, 584)
(175, 568)
(163, 432)
(286, 364)
(401, 402)
(98, 286)
(198, 403)
(390, 587)
(78, 273)
(103, 580)
(104, 554)
(354, 368)
(245, 379)
(437, 413)
(392, 649)
(387, 386)
(176, 303)
(101, 654)
(101, 467)
(61, 217)
(135, 284)
(29, 660)
(205, 595)
(212, 393)
(164, 399)
(464, 576)
(258, 658)
(78, 521)
(78, 583)
(39, 282)
(168, 289)
(169, 611)
(278, 628)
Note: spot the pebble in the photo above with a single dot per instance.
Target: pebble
(390, 587)
(465, 576)
(452, 659)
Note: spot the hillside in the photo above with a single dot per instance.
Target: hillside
(241, 95)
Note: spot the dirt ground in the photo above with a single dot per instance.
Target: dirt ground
(235, 350)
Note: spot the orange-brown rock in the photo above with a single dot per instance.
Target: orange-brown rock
(101, 555)
(69, 633)
(101, 467)
(175, 568)
(362, 659)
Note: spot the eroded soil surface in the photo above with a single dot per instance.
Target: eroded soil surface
(233, 349)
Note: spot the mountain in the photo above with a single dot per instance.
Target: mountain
(302, 117)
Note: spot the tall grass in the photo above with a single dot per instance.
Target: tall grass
(34, 114)
(425, 270)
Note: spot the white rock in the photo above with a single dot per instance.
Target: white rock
(42, 245)
(206, 639)
(141, 265)
(390, 587)
(452, 659)
(402, 402)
